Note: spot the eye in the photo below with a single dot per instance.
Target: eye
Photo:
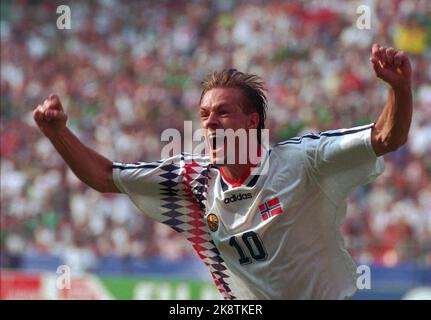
(204, 114)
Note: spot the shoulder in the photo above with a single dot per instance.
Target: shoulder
(295, 146)
(298, 140)
(313, 138)
(175, 162)
(198, 158)
(290, 152)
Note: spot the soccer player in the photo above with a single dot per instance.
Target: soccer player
(275, 235)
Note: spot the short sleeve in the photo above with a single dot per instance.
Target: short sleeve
(342, 160)
(160, 189)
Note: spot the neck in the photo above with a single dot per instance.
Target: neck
(235, 171)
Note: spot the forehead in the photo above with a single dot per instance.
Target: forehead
(219, 96)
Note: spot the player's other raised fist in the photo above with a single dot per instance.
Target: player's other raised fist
(50, 116)
(390, 65)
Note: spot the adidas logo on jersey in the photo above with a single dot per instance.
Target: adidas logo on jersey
(238, 197)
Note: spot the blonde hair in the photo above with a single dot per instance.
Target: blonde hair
(250, 85)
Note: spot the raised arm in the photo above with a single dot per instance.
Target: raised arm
(392, 127)
(90, 167)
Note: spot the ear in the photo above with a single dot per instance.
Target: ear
(253, 121)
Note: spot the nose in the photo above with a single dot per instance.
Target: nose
(212, 122)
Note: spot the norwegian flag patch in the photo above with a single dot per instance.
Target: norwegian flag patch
(270, 208)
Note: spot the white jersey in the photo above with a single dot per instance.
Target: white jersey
(269, 236)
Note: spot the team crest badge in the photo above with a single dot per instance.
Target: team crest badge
(213, 222)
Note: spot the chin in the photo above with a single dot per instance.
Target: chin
(217, 160)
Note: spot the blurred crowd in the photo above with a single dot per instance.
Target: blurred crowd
(126, 71)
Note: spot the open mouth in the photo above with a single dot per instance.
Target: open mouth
(216, 142)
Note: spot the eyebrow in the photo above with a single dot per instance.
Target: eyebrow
(216, 107)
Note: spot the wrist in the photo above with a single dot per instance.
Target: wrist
(401, 85)
(56, 133)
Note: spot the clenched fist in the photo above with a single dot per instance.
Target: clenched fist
(392, 66)
(50, 116)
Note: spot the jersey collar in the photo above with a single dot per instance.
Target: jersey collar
(247, 179)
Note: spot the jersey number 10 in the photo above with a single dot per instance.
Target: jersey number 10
(254, 246)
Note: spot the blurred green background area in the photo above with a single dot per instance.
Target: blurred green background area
(126, 71)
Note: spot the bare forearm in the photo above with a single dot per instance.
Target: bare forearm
(393, 125)
(380, 123)
(90, 167)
